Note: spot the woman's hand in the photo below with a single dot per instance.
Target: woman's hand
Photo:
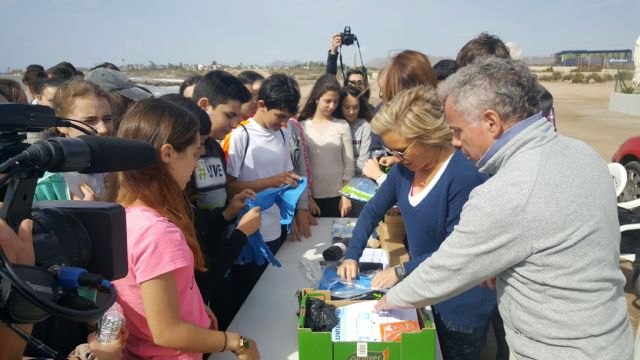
(111, 350)
(387, 161)
(372, 170)
(252, 353)
(384, 279)
(250, 222)
(344, 206)
(348, 270)
(212, 317)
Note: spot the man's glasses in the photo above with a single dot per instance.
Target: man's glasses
(359, 83)
(399, 154)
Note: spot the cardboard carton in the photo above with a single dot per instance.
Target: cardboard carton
(319, 345)
(391, 233)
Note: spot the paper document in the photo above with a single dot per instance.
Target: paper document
(358, 322)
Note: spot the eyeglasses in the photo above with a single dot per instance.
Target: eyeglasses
(399, 154)
(359, 83)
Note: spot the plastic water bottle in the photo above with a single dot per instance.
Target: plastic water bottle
(110, 324)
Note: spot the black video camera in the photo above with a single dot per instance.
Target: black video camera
(78, 245)
(346, 37)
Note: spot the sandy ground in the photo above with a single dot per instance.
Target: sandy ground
(582, 113)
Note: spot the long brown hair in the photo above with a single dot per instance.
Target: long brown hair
(407, 69)
(160, 122)
(324, 84)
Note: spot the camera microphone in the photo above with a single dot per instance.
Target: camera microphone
(90, 154)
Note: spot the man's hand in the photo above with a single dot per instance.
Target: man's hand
(336, 41)
(237, 203)
(250, 222)
(286, 178)
(301, 225)
(348, 270)
(17, 247)
(384, 279)
(344, 206)
(382, 304)
(490, 283)
(314, 209)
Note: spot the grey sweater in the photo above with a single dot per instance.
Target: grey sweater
(546, 224)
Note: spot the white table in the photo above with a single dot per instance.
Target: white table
(269, 313)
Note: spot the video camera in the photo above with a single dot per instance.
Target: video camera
(78, 245)
(346, 37)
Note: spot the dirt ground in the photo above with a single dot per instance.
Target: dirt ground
(582, 112)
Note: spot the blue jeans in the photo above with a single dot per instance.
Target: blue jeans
(459, 342)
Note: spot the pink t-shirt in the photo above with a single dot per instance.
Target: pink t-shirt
(155, 247)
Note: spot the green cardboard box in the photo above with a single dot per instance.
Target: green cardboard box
(319, 346)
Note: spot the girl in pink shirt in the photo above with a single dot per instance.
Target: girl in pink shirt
(164, 311)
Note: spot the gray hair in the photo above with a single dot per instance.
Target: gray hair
(502, 85)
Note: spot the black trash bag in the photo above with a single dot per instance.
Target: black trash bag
(320, 316)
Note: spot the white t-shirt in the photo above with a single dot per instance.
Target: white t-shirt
(267, 155)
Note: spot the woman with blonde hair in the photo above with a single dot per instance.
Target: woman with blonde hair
(165, 313)
(431, 181)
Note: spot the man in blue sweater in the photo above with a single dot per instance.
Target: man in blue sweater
(545, 223)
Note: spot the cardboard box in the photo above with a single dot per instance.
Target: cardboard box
(397, 252)
(391, 229)
(391, 233)
(319, 346)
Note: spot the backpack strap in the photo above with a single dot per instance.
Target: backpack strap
(246, 147)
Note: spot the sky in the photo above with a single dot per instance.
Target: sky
(88, 32)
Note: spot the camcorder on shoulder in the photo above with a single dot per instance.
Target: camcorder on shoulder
(79, 246)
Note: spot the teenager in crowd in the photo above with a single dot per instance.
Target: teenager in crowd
(252, 81)
(221, 95)
(330, 149)
(124, 92)
(165, 314)
(13, 91)
(31, 76)
(430, 182)
(45, 90)
(188, 85)
(406, 69)
(259, 159)
(89, 106)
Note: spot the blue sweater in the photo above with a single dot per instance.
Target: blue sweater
(427, 225)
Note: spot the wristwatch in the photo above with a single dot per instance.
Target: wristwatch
(400, 273)
(244, 346)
